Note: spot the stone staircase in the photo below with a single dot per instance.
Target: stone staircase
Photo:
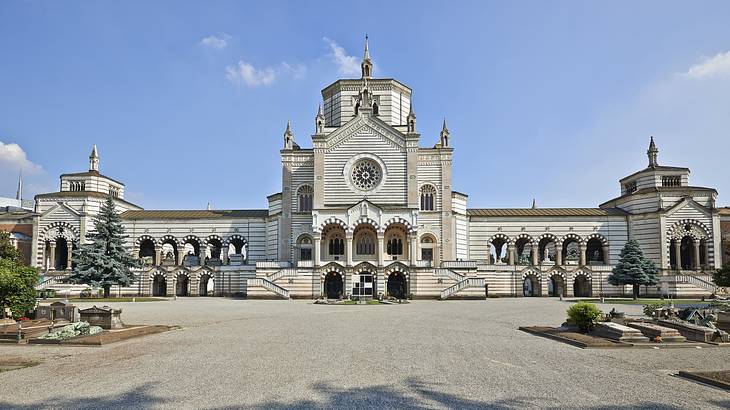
(467, 287)
(455, 276)
(282, 273)
(255, 285)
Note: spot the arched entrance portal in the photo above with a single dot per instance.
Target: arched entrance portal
(582, 287)
(556, 286)
(159, 286)
(333, 286)
(397, 285)
(206, 285)
(531, 286)
(181, 286)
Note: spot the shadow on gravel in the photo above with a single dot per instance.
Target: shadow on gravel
(417, 395)
(139, 397)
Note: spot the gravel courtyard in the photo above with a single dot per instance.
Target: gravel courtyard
(427, 354)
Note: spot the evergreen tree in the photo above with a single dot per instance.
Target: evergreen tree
(104, 261)
(633, 268)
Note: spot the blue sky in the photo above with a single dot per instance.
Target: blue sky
(188, 101)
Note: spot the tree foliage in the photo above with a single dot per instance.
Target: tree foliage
(634, 269)
(722, 276)
(103, 261)
(7, 250)
(17, 287)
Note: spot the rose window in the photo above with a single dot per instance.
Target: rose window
(366, 175)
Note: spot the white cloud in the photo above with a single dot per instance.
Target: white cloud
(247, 74)
(12, 157)
(717, 65)
(346, 64)
(217, 42)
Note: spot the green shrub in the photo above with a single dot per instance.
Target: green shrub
(649, 308)
(584, 315)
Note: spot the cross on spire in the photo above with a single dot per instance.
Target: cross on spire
(367, 64)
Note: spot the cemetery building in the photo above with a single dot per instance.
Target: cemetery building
(369, 207)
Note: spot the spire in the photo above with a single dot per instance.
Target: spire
(445, 135)
(652, 153)
(94, 160)
(19, 193)
(289, 137)
(319, 121)
(209, 207)
(411, 120)
(367, 64)
(534, 203)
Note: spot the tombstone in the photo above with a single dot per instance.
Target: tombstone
(106, 317)
(235, 259)
(667, 334)
(694, 332)
(58, 311)
(618, 332)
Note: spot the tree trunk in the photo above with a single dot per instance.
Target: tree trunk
(107, 288)
(636, 291)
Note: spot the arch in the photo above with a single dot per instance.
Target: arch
(523, 245)
(147, 250)
(158, 284)
(396, 267)
(182, 284)
(331, 221)
(398, 220)
(332, 267)
(206, 283)
(570, 248)
(547, 246)
(397, 285)
(305, 245)
(429, 246)
(594, 245)
(556, 283)
(364, 220)
(215, 244)
(333, 241)
(169, 239)
(61, 229)
(239, 243)
(333, 285)
(143, 238)
(427, 194)
(235, 237)
(582, 284)
(597, 236)
(365, 242)
(679, 229)
(500, 242)
(305, 198)
(530, 284)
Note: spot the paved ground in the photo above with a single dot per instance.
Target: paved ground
(428, 354)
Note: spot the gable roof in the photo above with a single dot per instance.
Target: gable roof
(81, 194)
(656, 168)
(196, 214)
(536, 212)
(91, 173)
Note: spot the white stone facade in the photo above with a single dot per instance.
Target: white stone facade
(367, 210)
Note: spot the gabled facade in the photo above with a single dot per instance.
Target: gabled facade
(370, 210)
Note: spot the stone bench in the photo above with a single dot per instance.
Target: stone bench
(693, 332)
(618, 332)
(653, 331)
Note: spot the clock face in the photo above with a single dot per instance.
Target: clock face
(366, 174)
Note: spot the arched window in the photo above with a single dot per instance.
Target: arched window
(375, 109)
(365, 244)
(336, 246)
(305, 195)
(395, 246)
(428, 195)
(305, 248)
(357, 108)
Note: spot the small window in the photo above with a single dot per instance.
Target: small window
(375, 109)
(114, 191)
(630, 187)
(428, 195)
(305, 196)
(671, 180)
(336, 246)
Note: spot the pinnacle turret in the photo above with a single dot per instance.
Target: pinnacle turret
(94, 160)
(367, 64)
(445, 135)
(652, 153)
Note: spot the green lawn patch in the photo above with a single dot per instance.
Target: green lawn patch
(646, 301)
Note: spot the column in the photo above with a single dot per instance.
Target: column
(224, 255)
(534, 252)
(696, 245)
(69, 254)
(558, 254)
(158, 257)
(348, 250)
(181, 256)
(316, 250)
(707, 255)
(678, 254)
(582, 248)
(414, 249)
(606, 255)
(203, 253)
(510, 255)
(381, 249)
(52, 262)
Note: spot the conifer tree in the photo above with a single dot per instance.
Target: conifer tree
(634, 269)
(103, 261)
